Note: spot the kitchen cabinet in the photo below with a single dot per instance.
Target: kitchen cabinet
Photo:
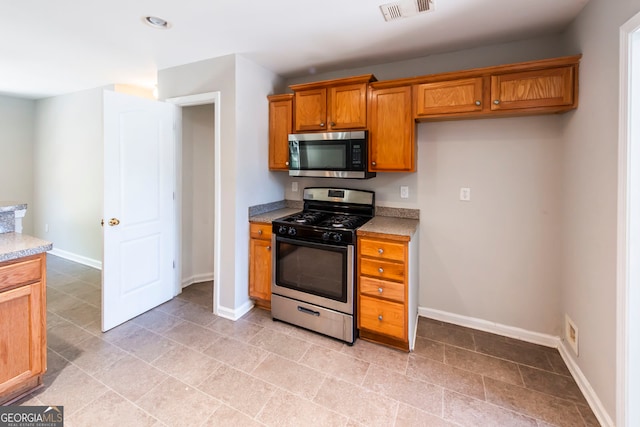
(23, 344)
(260, 264)
(534, 87)
(533, 90)
(387, 292)
(280, 126)
(331, 105)
(449, 97)
(392, 145)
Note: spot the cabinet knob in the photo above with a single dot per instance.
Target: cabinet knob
(332, 123)
(496, 101)
(321, 125)
(373, 163)
(380, 317)
(478, 103)
(260, 232)
(286, 163)
(268, 248)
(379, 290)
(380, 251)
(380, 270)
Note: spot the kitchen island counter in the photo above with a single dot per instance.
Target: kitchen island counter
(18, 245)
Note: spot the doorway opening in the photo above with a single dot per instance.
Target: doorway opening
(198, 197)
(628, 371)
(198, 250)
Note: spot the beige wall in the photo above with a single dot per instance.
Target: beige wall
(68, 172)
(198, 193)
(17, 119)
(589, 159)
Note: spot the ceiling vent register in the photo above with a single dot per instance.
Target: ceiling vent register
(405, 9)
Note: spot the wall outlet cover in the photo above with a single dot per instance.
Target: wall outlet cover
(571, 333)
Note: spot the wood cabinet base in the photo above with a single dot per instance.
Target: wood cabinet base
(383, 339)
(23, 390)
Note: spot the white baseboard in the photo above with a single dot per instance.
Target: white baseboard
(487, 326)
(533, 337)
(197, 278)
(76, 258)
(592, 398)
(235, 314)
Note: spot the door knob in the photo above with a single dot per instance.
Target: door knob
(114, 221)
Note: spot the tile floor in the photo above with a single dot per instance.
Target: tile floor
(179, 365)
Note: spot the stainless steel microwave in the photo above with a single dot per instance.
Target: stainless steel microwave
(329, 155)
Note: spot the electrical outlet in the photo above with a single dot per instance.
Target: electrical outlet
(294, 186)
(465, 194)
(571, 333)
(404, 192)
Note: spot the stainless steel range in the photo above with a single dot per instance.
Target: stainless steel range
(313, 282)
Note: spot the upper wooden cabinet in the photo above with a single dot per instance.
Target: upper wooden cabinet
(391, 129)
(534, 87)
(280, 126)
(331, 105)
(538, 89)
(449, 97)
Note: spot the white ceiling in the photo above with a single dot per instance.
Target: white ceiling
(53, 47)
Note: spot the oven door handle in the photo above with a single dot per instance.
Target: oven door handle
(308, 311)
(342, 248)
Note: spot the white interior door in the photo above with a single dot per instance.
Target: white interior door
(139, 237)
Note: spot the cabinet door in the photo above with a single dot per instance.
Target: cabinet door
(22, 339)
(448, 97)
(533, 89)
(311, 110)
(391, 130)
(260, 269)
(348, 107)
(280, 126)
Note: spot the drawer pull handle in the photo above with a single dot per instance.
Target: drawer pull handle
(380, 270)
(380, 251)
(307, 311)
(380, 317)
(260, 232)
(380, 290)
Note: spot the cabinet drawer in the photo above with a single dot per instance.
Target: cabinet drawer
(383, 317)
(260, 230)
(382, 249)
(382, 288)
(19, 273)
(381, 269)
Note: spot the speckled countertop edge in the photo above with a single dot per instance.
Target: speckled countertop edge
(391, 225)
(12, 206)
(18, 245)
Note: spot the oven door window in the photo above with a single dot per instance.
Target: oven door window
(311, 268)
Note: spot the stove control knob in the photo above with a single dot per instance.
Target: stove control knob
(337, 237)
(292, 231)
(282, 229)
(326, 235)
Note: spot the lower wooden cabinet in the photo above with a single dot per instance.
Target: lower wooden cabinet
(23, 342)
(260, 264)
(387, 296)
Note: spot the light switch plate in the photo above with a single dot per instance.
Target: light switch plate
(294, 186)
(465, 194)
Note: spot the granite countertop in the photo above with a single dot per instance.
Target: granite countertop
(391, 225)
(271, 215)
(12, 206)
(18, 245)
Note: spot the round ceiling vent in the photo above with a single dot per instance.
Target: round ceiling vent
(156, 22)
